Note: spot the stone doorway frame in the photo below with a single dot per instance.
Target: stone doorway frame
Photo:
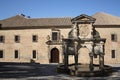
(54, 56)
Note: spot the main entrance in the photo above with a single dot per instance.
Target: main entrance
(54, 55)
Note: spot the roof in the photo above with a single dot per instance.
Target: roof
(22, 21)
(106, 19)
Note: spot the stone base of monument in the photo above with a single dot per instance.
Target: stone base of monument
(84, 71)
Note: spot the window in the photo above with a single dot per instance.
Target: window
(17, 38)
(34, 54)
(1, 53)
(113, 54)
(16, 54)
(55, 36)
(35, 38)
(113, 37)
(2, 39)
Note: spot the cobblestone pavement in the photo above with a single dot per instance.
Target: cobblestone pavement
(27, 71)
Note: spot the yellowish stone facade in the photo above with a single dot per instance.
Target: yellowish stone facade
(46, 47)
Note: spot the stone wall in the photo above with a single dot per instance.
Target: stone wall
(106, 32)
(26, 45)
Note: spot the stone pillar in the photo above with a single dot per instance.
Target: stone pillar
(101, 56)
(49, 53)
(101, 61)
(91, 66)
(65, 55)
(76, 58)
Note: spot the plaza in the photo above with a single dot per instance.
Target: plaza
(36, 71)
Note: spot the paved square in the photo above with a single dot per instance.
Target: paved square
(31, 71)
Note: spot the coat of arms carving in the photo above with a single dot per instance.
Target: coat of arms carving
(83, 30)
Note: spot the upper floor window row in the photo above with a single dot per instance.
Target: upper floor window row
(55, 37)
(17, 38)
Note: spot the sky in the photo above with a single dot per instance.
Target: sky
(57, 8)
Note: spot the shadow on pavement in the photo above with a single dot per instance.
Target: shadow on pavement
(22, 70)
(25, 70)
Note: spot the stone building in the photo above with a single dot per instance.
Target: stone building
(24, 39)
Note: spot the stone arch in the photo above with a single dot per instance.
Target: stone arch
(54, 55)
(83, 55)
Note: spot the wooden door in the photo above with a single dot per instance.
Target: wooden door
(54, 55)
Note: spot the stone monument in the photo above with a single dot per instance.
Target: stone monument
(83, 34)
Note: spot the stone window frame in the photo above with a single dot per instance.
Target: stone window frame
(1, 54)
(58, 35)
(114, 37)
(113, 54)
(34, 38)
(2, 38)
(34, 54)
(17, 38)
(16, 52)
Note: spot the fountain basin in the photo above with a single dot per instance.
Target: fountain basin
(84, 71)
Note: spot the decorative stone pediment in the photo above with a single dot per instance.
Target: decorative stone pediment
(82, 27)
(83, 18)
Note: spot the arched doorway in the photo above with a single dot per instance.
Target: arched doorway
(54, 55)
(83, 56)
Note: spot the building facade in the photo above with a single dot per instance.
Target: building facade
(25, 39)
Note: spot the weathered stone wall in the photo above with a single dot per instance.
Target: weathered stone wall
(110, 45)
(26, 45)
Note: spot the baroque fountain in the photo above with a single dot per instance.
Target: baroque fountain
(84, 35)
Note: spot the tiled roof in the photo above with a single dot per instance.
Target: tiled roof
(22, 21)
(106, 19)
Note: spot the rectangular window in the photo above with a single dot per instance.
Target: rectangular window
(55, 36)
(34, 54)
(113, 54)
(2, 39)
(1, 53)
(17, 38)
(35, 38)
(16, 54)
(113, 37)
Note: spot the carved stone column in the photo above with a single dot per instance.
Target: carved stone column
(101, 56)
(101, 61)
(65, 55)
(91, 66)
(76, 57)
(91, 62)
